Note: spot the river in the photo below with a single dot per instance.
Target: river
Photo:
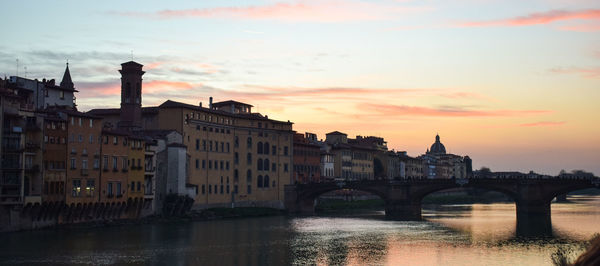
(473, 234)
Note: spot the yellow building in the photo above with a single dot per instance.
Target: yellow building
(235, 156)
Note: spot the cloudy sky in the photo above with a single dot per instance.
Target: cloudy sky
(513, 84)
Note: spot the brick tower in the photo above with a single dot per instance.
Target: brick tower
(131, 96)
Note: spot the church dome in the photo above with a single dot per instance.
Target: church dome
(437, 147)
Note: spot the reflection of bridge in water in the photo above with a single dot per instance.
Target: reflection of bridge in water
(403, 197)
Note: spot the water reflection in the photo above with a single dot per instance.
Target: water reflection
(477, 234)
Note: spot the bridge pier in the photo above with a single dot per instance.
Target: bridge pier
(533, 218)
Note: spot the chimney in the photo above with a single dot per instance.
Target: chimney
(200, 104)
(210, 102)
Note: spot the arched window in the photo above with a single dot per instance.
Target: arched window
(266, 149)
(259, 165)
(259, 148)
(249, 158)
(127, 92)
(249, 141)
(259, 181)
(138, 92)
(266, 167)
(266, 181)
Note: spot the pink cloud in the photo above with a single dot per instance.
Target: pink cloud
(157, 86)
(591, 73)
(543, 124)
(302, 11)
(404, 110)
(581, 27)
(537, 18)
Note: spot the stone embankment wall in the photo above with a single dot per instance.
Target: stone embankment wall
(49, 214)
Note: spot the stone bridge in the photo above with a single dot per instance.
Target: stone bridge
(403, 197)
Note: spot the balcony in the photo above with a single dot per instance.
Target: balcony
(84, 172)
(32, 168)
(150, 169)
(32, 146)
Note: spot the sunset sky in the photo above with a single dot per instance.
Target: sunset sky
(513, 84)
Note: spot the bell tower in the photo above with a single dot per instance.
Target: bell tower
(131, 95)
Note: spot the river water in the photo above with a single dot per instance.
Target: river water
(474, 234)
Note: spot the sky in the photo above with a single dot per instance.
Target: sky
(513, 84)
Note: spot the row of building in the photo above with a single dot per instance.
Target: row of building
(368, 158)
(218, 154)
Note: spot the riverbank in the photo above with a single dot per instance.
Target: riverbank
(193, 216)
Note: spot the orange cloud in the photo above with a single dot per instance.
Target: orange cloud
(543, 124)
(302, 11)
(537, 18)
(591, 73)
(404, 110)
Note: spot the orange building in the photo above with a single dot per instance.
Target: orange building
(55, 158)
(83, 153)
(307, 160)
(135, 181)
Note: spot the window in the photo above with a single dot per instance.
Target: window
(236, 142)
(221, 165)
(236, 158)
(227, 147)
(249, 158)
(285, 167)
(203, 145)
(118, 189)
(273, 168)
(203, 189)
(125, 163)
(197, 163)
(266, 167)
(259, 165)
(109, 190)
(197, 144)
(132, 186)
(266, 148)
(80, 138)
(105, 162)
(285, 150)
(266, 181)
(115, 140)
(90, 187)
(249, 181)
(80, 121)
(259, 181)
(91, 122)
(209, 164)
(274, 150)
(249, 142)
(76, 191)
(84, 164)
(139, 186)
(73, 163)
(203, 164)
(115, 162)
(235, 175)
(209, 189)
(91, 137)
(259, 148)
